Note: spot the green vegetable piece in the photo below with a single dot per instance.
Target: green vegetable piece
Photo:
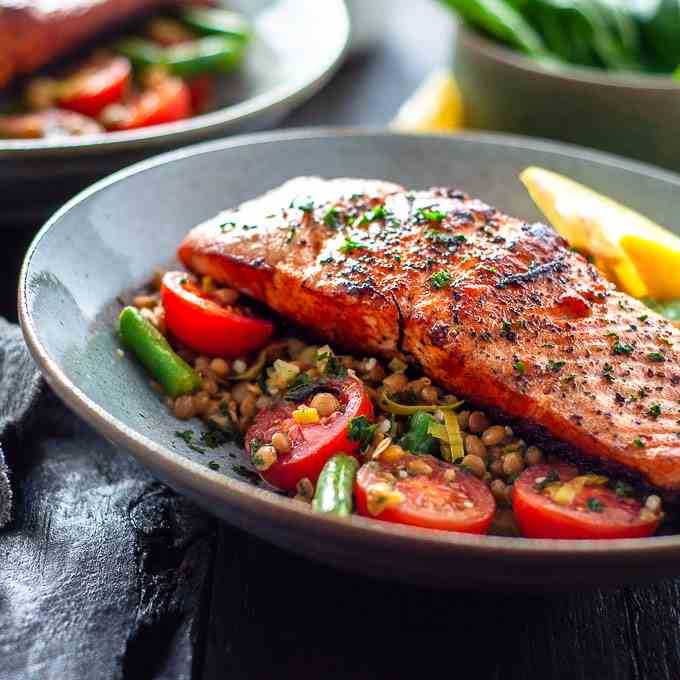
(501, 20)
(211, 54)
(212, 21)
(333, 492)
(418, 438)
(361, 429)
(154, 352)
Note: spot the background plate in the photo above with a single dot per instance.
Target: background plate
(297, 46)
(112, 236)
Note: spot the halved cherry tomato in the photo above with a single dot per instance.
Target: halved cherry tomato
(580, 509)
(207, 326)
(312, 444)
(164, 99)
(425, 492)
(94, 86)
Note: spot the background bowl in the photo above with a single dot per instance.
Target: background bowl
(113, 236)
(296, 48)
(632, 115)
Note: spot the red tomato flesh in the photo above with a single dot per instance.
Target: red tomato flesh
(539, 516)
(164, 100)
(95, 86)
(314, 443)
(447, 497)
(207, 326)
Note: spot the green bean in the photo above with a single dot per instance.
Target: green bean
(186, 60)
(154, 352)
(334, 489)
(211, 21)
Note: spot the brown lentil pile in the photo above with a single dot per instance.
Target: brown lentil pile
(234, 391)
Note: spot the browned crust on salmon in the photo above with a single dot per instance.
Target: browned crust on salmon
(520, 323)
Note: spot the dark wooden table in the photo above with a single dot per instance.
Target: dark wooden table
(266, 613)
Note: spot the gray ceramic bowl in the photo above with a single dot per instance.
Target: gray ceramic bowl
(297, 46)
(111, 237)
(632, 115)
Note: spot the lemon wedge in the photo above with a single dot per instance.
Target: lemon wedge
(436, 106)
(640, 256)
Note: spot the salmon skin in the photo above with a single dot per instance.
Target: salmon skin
(497, 310)
(34, 32)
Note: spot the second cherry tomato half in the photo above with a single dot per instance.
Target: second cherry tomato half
(554, 501)
(163, 99)
(425, 492)
(201, 322)
(94, 86)
(313, 442)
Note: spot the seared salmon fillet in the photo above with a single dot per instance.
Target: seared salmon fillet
(497, 310)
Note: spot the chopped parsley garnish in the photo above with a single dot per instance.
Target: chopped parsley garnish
(654, 411)
(618, 348)
(333, 367)
(595, 504)
(332, 218)
(607, 372)
(291, 234)
(556, 365)
(378, 213)
(552, 477)
(643, 317)
(215, 436)
(187, 436)
(227, 225)
(429, 215)
(350, 245)
(520, 367)
(443, 237)
(623, 489)
(440, 279)
(656, 356)
(361, 430)
(638, 443)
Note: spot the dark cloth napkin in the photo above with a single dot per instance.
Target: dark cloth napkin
(103, 570)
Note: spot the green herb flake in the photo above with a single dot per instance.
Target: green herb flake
(227, 225)
(429, 214)
(306, 207)
(638, 443)
(643, 317)
(332, 218)
(187, 437)
(654, 411)
(595, 504)
(556, 365)
(623, 489)
(361, 430)
(520, 367)
(378, 213)
(350, 245)
(440, 279)
(656, 356)
(619, 348)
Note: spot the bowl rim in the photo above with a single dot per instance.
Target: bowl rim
(282, 510)
(472, 40)
(284, 95)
